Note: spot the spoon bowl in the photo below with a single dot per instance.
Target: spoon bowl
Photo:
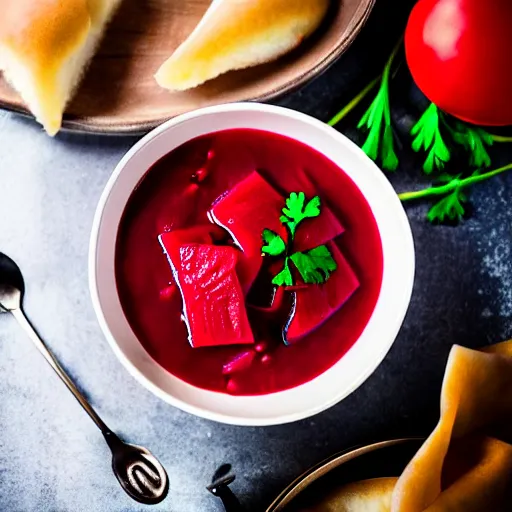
(10, 298)
(140, 474)
(12, 285)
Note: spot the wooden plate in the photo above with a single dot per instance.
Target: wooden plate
(385, 459)
(120, 95)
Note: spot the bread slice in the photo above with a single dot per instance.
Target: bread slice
(45, 46)
(236, 34)
(364, 496)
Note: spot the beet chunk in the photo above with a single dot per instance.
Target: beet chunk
(254, 205)
(251, 206)
(312, 232)
(213, 301)
(315, 304)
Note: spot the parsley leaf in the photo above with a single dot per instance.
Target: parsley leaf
(296, 210)
(474, 140)
(274, 244)
(284, 278)
(315, 266)
(428, 137)
(450, 188)
(377, 122)
(388, 155)
(450, 207)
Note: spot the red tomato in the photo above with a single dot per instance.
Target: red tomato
(460, 55)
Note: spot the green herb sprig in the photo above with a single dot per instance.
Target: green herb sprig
(474, 140)
(437, 134)
(434, 134)
(427, 136)
(316, 265)
(451, 189)
(297, 210)
(380, 142)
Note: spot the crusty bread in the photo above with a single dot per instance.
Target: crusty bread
(365, 496)
(45, 46)
(236, 34)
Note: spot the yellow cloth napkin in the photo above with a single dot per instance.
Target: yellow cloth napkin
(466, 463)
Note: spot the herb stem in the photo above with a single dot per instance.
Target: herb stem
(353, 104)
(482, 177)
(500, 138)
(452, 185)
(389, 63)
(428, 192)
(362, 95)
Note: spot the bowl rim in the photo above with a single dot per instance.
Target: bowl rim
(392, 203)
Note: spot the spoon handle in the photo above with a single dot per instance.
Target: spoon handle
(50, 358)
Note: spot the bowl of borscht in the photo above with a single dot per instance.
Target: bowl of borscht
(250, 264)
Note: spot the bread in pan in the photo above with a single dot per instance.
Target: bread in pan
(365, 496)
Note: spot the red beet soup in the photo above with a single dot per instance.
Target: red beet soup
(199, 212)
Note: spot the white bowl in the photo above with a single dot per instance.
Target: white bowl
(354, 367)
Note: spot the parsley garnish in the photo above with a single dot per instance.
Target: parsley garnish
(316, 265)
(474, 140)
(296, 210)
(451, 207)
(436, 133)
(377, 121)
(274, 244)
(428, 137)
(450, 188)
(379, 144)
(284, 278)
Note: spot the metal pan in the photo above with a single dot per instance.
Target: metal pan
(384, 459)
(387, 458)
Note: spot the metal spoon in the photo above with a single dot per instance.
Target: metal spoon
(140, 474)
